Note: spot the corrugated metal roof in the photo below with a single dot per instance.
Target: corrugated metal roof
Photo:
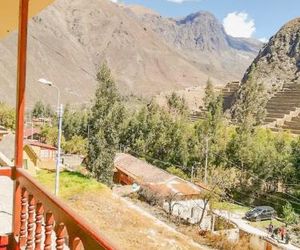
(153, 177)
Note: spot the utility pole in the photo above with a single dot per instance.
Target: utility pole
(60, 117)
(206, 160)
(58, 160)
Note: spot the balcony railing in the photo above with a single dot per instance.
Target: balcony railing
(41, 221)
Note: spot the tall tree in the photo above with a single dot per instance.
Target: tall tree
(7, 116)
(177, 105)
(40, 110)
(155, 133)
(210, 130)
(105, 122)
(249, 109)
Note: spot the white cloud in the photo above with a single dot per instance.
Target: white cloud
(114, 1)
(263, 39)
(238, 24)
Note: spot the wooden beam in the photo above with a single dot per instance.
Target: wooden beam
(21, 81)
(20, 108)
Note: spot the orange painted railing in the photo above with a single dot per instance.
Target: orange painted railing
(44, 222)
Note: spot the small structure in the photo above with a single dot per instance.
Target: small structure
(7, 155)
(32, 134)
(178, 197)
(45, 153)
(35, 154)
(129, 170)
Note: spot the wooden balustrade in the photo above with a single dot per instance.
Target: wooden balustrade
(44, 222)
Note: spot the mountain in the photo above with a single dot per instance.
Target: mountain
(201, 38)
(279, 61)
(70, 39)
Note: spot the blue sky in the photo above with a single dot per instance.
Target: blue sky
(246, 18)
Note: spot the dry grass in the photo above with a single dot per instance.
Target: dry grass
(127, 226)
(220, 242)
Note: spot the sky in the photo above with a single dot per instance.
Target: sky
(259, 19)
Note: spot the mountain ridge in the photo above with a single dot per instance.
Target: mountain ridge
(279, 60)
(69, 41)
(202, 39)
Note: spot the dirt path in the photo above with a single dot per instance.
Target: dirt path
(127, 225)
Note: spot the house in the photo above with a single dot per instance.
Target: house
(45, 153)
(7, 155)
(32, 133)
(129, 170)
(176, 196)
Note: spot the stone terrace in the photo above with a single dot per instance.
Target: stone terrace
(283, 109)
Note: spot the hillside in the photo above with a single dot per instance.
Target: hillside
(67, 46)
(278, 67)
(279, 60)
(202, 40)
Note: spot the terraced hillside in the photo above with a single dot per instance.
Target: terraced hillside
(283, 109)
(228, 93)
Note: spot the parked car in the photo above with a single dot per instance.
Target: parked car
(260, 213)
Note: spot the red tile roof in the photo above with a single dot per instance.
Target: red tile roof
(31, 131)
(41, 145)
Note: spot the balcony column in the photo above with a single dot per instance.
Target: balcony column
(20, 107)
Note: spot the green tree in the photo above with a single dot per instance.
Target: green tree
(295, 157)
(77, 145)
(178, 172)
(75, 122)
(106, 119)
(289, 215)
(211, 131)
(50, 135)
(210, 95)
(249, 108)
(155, 133)
(177, 105)
(7, 116)
(40, 110)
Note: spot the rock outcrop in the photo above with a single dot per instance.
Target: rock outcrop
(279, 61)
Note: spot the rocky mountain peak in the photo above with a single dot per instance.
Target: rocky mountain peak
(198, 17)
(201, 30)
(279, 60)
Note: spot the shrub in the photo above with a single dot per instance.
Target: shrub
(178, 172)
(289, 215)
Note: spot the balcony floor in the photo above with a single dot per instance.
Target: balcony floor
(6, 205)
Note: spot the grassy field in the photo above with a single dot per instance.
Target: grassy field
(71, 183)
(265, 224)
(227, 206)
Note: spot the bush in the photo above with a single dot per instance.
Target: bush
(289, 215)
(77, 145)
(7, 116)
(178, 172)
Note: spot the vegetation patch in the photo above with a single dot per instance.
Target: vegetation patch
(71, 183)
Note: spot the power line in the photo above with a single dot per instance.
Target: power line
(253, 175)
